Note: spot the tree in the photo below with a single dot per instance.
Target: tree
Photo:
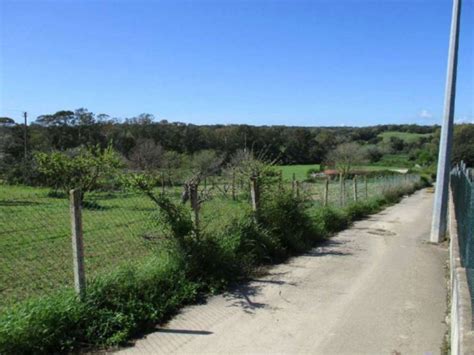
(463, 148)
(397, 144)
(86, 169)
(345, 156)
(373, 153)
(60, 118)
(205, 163)
(141, 119)
(5, 121)
(59, 129)
(146, 155)
(425, 158)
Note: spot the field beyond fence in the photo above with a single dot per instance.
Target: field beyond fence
(35, 226)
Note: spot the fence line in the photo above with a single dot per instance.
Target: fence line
(108, 229)
(461, 226)
(462, 186)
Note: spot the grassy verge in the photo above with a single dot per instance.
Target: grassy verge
(190, 264)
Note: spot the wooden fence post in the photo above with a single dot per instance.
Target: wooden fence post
(163, 182)
(326, 192)
(193, 195)
(341, 192)
(233, 184)
(77, 242)
(293, 185)
(280, 180)
(366, 188)
(254, 193)
(354, 180)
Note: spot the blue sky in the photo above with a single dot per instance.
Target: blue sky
(310, 63)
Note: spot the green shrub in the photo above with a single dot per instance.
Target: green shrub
(287, 220)
(250, 243)
(426, 180)
(134, 297)
(116, 307)
(356, 211)
(329, 220)
(44, 325)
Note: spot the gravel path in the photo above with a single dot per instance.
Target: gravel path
(376, 288)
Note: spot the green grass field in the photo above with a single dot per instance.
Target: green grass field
(35, 242)
(299, 171)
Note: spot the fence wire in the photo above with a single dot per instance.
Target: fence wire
(462, 187)
(122, 226)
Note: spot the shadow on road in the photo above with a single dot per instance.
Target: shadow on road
(184, 331)
(328, 247)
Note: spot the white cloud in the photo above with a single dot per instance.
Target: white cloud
(464, 119)
(425, 114)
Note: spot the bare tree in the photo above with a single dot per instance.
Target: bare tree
(345, 156)
(203, 164)
(247, 164)
(146, 155)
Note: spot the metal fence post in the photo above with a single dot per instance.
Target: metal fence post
(77, 242)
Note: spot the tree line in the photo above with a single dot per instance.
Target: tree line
(145, 142)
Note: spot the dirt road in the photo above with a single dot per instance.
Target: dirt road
(376, 288)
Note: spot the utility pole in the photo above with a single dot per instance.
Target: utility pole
(25, 134)
(440, 208)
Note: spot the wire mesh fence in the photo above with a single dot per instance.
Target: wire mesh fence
(35, 243)
(462, 187)
(36, 256)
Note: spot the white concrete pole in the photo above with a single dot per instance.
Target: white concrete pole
(440, 208)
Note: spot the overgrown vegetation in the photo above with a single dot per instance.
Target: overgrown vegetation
(189, 263)
(86, 169)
